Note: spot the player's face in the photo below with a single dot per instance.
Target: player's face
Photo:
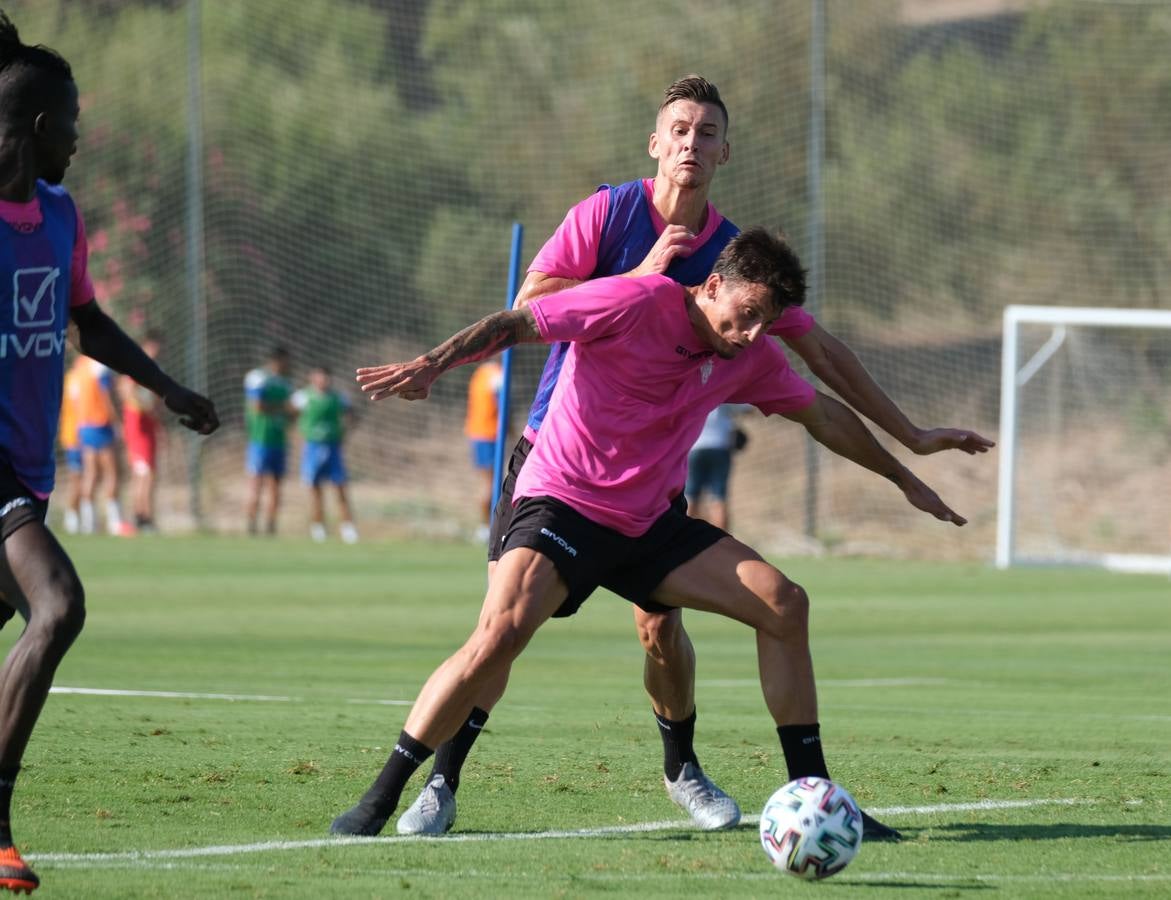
(689, 142)
(737, 312)
(56, 134)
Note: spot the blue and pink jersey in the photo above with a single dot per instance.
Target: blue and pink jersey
(43, 272)
(610, 233)
(636, 387)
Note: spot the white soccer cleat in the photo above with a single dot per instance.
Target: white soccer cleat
(709, 807)
(317, 532)
(433, 811)
(348, 533)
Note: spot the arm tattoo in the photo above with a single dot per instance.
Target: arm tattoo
(487, 337)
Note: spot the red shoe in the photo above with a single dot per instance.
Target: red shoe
(15, 875)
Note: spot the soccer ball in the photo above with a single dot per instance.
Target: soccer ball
(811, 828)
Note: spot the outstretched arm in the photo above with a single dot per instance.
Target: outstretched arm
(837, 365)
(100, 337)
(413, 380)
(833, 424)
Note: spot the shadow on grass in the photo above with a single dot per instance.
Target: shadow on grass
(979, 831)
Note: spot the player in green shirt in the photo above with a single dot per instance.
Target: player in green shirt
(323, 412)
(267, 415)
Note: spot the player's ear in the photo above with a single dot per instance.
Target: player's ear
(725, 154)
(711, 286)
(653, 145)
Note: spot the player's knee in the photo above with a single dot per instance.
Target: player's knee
(496, 645)
(58, 608)
(660, 633)
(789, 605)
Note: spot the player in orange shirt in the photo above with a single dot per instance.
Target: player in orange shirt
(140, 433)
(480, 428)
(99, 465)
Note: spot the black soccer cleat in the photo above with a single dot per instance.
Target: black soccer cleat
(360, 821)
(873, 830)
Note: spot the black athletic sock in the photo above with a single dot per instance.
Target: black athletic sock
(7, 783)
(677, 744)
(451, 755)
(407, 756)
(801, 745)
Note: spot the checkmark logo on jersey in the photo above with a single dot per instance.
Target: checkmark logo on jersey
(34, 295)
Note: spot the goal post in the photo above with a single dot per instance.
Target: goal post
(1068, 368)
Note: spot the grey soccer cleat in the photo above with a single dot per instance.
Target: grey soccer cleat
(709, 807)
(433, 811)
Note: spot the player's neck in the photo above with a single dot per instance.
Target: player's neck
(698, 318)
(16, 184)
(681, 205)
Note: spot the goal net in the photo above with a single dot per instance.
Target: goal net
(1085, 457)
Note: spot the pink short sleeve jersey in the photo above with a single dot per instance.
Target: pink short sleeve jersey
(633, 395)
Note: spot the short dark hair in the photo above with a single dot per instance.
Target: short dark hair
(280, 351)
(762, 257)
(28, 75)
(697, 89)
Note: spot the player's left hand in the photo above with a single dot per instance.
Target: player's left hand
(411, 380)
(935, 439)
(920, 496)
(194, 410)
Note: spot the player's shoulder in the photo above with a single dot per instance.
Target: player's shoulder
(256, 379)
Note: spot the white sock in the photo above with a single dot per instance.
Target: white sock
(86, 517)
(72, 521)
(317, 532)
(113, 517)
(348, 532)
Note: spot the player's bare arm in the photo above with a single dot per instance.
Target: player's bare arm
(537, 285)
(100, 337)
(835, 425)
(413, 380)
(836, 364)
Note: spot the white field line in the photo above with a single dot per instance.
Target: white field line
(193, 695)
(764, 874)
(607, 831)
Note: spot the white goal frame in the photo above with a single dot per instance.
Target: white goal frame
(1013, 376)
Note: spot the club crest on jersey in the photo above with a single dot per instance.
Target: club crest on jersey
(705, 371)
(34, 296)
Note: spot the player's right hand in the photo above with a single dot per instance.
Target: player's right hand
(920, 496)
(672, 243)
(411, 380)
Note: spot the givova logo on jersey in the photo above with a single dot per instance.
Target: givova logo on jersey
(34, 305)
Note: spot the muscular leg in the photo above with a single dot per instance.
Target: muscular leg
(669, 667)
(525, 591)
(38, 579)
(252, 503)
(274, 502)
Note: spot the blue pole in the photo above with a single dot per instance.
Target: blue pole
(506, 366)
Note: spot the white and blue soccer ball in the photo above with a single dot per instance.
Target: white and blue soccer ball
(811, 828)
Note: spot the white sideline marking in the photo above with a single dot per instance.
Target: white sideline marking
(174, 695)
(606, 831)
(192, 695)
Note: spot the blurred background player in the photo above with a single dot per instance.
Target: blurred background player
(70, 442)
(44, 285)
(322, 414)
(267, 414)
(709, 464)
(99, 461)
(480, 427)
(140, 433)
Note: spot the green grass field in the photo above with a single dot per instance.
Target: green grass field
(1046, 694)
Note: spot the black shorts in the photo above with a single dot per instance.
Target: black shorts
(18, 505)
(589, 556)
(502, 514)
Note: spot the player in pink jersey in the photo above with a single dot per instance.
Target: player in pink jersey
(666, 225)
(43, 288)
(595, 501)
